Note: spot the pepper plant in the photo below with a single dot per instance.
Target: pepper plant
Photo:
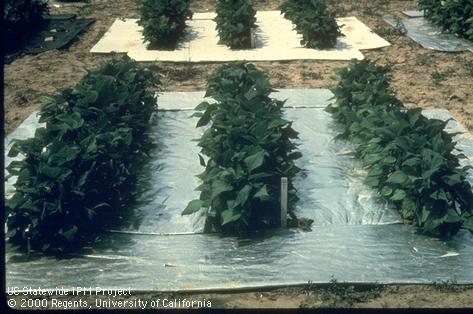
(21, 19)
(455, 16)
(314, 21)
(78, 173)
(163, 22)
(410, 158)
(235, 19)
(249, 148)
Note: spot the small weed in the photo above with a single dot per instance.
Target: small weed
(423, 59)
(368, 10)
(446, 286)
(89, 9)
(375, 8)
(183, 74)
(439, 76)
(384, 31)
(372, 293)
(313, 75)
(340, 12)
(468, 65)
(336, 293)
(355, 7)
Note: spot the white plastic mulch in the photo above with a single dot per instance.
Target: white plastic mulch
(275, 40)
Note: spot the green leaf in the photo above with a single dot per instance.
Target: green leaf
(14, 150)
(452, 216)
(453, 179)
(51, 172)
(398, 177)
(90, 213)
(83, 178)
(408, 208)
(260, 175)
(294, 155)
(229, 215)
(439, 195)
(70, 233)
(250, 94)
(412, 162)
(277, 123)
(372, 181)
(231, 204)
(243, 194)
(11, 233)
(372, 158)
(92, 146)
(432, 224)
(414, 115)
(386, 191)
(254, 161)
(201, 160)
(468, 224)
(425, 215)
(262, 193)
(205, 119)
(219, 187)
(389, 160)
(192, 207)
(102, 204)
(398, 195)
(202, 106)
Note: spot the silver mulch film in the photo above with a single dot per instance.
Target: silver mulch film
(355, 236)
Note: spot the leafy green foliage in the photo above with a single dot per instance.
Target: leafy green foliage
(164, 21)
(314, 21)
(235, 18)
(78, 171)
(21, 19)
(249, 149)
(456, 16)
(409, 157)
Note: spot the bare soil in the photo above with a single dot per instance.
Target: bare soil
(332, 295)
(421, 78)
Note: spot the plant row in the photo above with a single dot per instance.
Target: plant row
(249, 149)
(455, 16)
(79, 169)
(314, 21)
(235, 19)
(21, 20)
(410, 158)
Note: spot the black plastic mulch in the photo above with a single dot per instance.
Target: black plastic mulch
(57, 32)
(69, 2)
